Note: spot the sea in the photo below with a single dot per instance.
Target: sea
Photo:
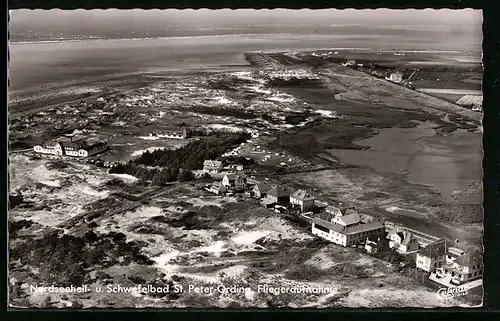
(39, 60)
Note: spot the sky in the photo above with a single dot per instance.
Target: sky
(248, 16)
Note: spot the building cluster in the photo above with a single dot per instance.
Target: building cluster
(450, 264)
(347, 227)
(173, 134)
(79, 148)
(271, 195)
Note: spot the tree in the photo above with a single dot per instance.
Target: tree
(119, 237)
(90, 236)
(74, 274)
(185, 175)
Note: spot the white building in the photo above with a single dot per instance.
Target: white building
(302, 199)
(396, 77)
(175, 134)
(432, 257)
(75, 148)
(234, 181)
(217, 188)
(212, 166)
(465, 267)
(402, 241)
(346, 230)
(453, 254)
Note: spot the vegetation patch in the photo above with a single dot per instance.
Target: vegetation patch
(66, 259)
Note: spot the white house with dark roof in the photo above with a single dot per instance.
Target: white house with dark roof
(217, 188)
(175, 134)
(466, 267)
(346, 230)
(333, 210)
(212, 166)
(260, 189)
(234, 181)
(279, 194)
(69, 147)
(432, 257)
(402, 241)
(302, 199)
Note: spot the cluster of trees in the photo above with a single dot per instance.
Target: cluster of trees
(158, 176)
(193, 154)
(64, 260)
(163, 166)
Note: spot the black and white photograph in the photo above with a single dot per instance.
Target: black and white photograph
(245, 158)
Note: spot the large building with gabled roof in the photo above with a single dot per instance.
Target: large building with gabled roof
(71, 147)
(402, 241)
(212, 166)
(346, 230)
(302, 199)
(465, 267)
(433, 256)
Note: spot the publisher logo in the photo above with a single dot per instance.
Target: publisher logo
(448, 293)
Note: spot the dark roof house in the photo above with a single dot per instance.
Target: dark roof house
(322, 219)
(470, 259)
(280, 191)
(350, 219)
(264, 188)
(434, 249)
(302, 195)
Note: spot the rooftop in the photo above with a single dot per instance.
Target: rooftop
(470, 259)
(350, 219)
(434, 249)
(302, 195)
(353, 229)
(332, 209)
(233, 177)
(264, 187)
(209, 162)
(405, 236)
(68, 142)
(470, 100)
(280, 191)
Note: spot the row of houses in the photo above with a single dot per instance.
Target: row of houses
(173, 134)
(437, 257)
(346, 227)
(450, 263)
(69, 147)
(349, 228)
